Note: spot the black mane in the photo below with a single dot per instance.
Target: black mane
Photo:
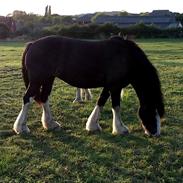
(147, 80)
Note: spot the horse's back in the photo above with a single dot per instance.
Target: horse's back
(82, 63)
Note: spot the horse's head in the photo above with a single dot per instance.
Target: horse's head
(150, 119)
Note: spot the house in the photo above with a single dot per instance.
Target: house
(159, 18)
(84, 19)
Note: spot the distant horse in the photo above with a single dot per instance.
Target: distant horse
(112, 64)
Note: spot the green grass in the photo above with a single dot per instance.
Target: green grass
(72, 155)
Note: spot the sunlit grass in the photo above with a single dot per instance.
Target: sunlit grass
(72, 155)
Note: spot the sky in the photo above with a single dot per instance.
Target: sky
(73, 7)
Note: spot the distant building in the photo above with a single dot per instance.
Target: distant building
(11, 24)
(84, 19)
(159, 18)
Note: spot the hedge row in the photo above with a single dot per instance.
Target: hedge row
(94, 31)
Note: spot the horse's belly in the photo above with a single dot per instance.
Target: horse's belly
(82, 80)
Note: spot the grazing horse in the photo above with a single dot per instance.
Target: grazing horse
(112, 64)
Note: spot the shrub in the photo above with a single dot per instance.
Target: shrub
(4, 31)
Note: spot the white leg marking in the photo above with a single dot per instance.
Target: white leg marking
(20, 123)
(122, 93)
(82, 93)
(118, 126)
(145, 130)
(158, 132)
(158, 125)
(88, 95)
(92, 123)
(78, 96)
(47, 119)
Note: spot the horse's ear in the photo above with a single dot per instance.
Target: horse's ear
(125, 37)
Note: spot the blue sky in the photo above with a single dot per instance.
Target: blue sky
(72, 7)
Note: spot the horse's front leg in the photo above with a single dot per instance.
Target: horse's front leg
(20, 125)
(118, 126)
(47, 118)
(93, 120)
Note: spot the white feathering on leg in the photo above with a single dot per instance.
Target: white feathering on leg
(92, 123)
(118, 126)
(88, 95)
(47, 119)
(20, 123)
(78, 97)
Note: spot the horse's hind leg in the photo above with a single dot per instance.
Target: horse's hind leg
(87, 94)
(78, 97)
(118, 126)
(20, 123)
(82, 93)
(47, 118)
(92, 123)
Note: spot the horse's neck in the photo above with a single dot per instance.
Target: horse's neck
(144, 93)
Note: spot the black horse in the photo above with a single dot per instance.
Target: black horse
(112, 64)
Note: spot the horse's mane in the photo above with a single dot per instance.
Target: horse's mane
(148, 76)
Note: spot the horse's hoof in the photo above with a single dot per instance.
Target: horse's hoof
(21, 130)
(77, 101)
(152, 135)
(123, 133)
(56, 129)
(94, 128)
(91, 132)
(52, 126)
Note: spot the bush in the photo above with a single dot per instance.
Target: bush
(93, 31)
(4, 31)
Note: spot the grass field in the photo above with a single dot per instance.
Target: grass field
(72, 155)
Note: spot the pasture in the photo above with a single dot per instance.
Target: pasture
(73, 155)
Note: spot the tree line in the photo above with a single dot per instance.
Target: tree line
(34, 26)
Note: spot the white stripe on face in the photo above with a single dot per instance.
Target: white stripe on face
(158, 124)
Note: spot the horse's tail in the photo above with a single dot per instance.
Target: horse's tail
(24, 70)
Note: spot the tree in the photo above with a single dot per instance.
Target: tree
(67, 20)
(123, 13)
(4, 31)
(179, 17)
(17, 14)
(93, 19)
(47, 11)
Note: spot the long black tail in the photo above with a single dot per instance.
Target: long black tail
(24, 70)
